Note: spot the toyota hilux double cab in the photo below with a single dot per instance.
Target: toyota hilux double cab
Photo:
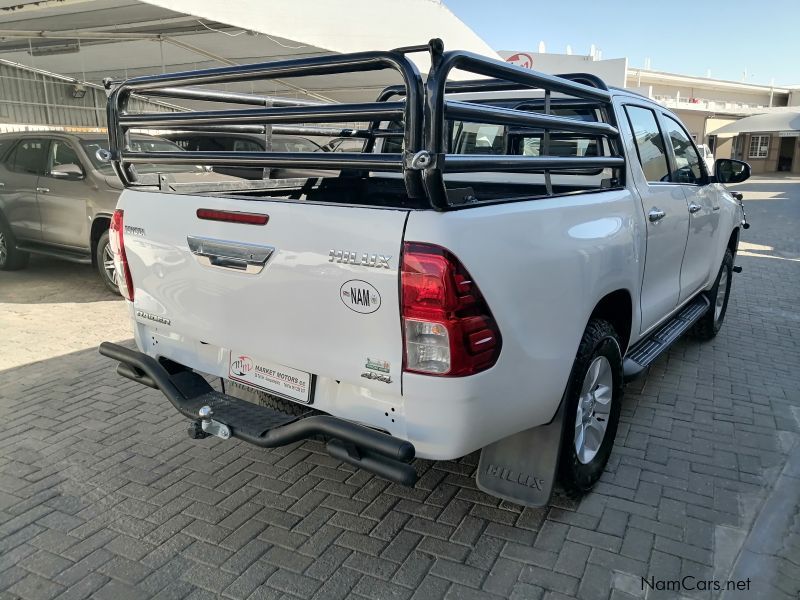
(485, 275)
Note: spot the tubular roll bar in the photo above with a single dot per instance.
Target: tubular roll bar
(275, 111)
(503, 75)
(423, 112)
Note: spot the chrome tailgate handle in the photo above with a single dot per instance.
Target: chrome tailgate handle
(248, 258)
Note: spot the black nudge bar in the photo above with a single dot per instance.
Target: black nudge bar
(189, 392)
(420, 115)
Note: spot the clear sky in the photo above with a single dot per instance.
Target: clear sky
(680, 36)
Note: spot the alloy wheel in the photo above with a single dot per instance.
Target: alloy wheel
(108, 264)
(722, 291)
(594, 406)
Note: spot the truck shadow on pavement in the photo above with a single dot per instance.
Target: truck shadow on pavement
(50, 280)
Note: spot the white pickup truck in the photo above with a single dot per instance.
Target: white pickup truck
(485, 275)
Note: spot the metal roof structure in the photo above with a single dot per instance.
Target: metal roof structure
(776, 120)
(93, 39)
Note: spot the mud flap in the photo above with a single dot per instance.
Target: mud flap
(522, 468)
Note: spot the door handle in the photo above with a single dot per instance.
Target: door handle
(42, 190)
(223, 254)
(693, 208)
(2, 185)
(655, 215)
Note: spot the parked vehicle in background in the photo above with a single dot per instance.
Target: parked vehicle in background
(344, 144)
(485, 275)
(57, 196)
(707, 156)
(195, 141)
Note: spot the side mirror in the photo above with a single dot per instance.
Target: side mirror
(67, 171)
(727, 170)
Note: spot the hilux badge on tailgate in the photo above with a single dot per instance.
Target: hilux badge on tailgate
(363, 259)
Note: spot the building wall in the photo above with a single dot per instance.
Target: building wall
(735, 96)
(724, 148)
(612, 71)
(770, 163)
(695, 122)
(29, 97)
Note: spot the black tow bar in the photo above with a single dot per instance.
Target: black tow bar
(215, 413)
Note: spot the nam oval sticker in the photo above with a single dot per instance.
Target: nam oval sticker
(360, 296)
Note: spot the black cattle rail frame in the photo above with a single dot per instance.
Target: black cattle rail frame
(423, 109)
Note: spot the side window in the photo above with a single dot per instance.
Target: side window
(29, 157)
(4, 146)
(61, 154)
(531, 143)
(476, 138)
(687, 161)
(204, 144)
(245, 145)
(649, 143)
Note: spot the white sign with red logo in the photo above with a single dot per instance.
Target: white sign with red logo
(270, 377)
(521, 59)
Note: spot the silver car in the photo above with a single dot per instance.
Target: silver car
(57, 197)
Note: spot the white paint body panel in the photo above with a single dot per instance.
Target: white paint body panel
(542, 266)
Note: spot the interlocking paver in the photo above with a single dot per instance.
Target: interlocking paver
(102, 493)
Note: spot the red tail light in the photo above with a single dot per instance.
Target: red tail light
(117, 244)
(447, 325)
(231, 216)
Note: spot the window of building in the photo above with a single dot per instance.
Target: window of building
(649, 143)
(759, 146)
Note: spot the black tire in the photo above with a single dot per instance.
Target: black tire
(600, 340)
(710, 323)
(11, 259)
(244, 392)
(102, 254)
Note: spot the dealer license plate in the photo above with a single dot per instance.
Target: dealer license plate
(271, 377)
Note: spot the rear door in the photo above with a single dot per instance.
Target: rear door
(702, 207)
(665, 211)
(19, 176)
(325, 301)
(63, 196)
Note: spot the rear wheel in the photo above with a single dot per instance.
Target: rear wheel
(11, 259)
(710, 323)
(104, 260)
(593, 401)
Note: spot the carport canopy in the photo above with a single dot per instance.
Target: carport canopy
(92, 39)
(776, 120)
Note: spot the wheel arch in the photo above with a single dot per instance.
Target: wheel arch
(733, 241)
(617, 308)
(100, 224)
(3, 219)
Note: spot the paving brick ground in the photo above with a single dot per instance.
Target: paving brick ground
(102, 494)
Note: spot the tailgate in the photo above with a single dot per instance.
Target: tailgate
(324, 303)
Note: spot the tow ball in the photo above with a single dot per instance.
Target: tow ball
(206, 426)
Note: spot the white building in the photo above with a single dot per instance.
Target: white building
(704, 104)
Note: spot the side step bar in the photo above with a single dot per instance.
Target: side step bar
(645, 352)
(63, 254)
(194, 398)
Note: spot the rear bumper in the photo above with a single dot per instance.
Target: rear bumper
(188, 392)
